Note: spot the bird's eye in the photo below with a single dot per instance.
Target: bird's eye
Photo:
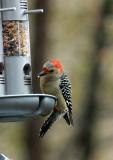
(51, 71)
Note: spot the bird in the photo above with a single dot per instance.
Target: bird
(54, 81)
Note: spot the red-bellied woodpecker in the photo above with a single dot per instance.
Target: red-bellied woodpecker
(54, 81)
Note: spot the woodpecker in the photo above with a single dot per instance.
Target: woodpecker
(54, 81)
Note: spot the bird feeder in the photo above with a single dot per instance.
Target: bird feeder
(19, 102)
(16, 46)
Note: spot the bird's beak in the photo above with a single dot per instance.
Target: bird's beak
(42, 73)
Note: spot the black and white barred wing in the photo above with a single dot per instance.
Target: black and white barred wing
(65, 87)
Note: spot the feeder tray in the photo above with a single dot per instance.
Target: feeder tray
(21, 107)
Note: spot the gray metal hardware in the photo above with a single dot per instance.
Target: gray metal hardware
(22, 107)
(7, 9)
(21, 6)
(34, 11)
(3, 157)
(2, 79)
(17, 80)
(16, 42)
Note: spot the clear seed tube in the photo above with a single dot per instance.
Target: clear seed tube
(16, 38)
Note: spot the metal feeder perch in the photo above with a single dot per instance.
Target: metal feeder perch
(19, 103)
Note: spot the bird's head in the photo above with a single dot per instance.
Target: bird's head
(51, 68)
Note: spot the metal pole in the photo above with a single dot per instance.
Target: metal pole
(2, 80)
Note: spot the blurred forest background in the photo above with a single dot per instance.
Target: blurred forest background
(80, 34)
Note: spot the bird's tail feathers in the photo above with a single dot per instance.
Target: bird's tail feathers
(48, 123)
(68, 118)
(71, 118)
